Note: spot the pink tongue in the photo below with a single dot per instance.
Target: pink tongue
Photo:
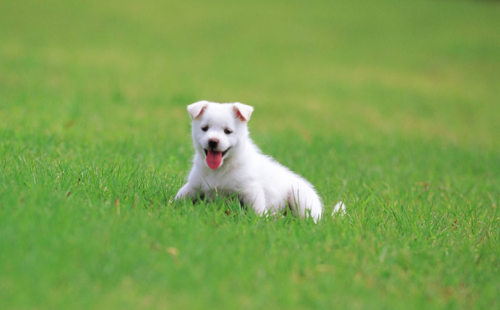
(214, 159)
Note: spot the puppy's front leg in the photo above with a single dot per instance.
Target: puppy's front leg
(254, 196)
(186, 191)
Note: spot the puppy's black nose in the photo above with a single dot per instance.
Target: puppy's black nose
(212, 143)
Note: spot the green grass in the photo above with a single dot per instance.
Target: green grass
(391, 107)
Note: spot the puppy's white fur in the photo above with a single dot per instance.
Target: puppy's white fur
(257, 179)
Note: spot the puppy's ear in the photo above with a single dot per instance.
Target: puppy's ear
(242, 111)
(196, 109)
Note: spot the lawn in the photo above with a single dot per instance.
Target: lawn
(392, 107)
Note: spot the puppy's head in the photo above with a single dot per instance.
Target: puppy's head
(218, 128)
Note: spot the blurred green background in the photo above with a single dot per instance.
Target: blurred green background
(358, 69)
(390, 106)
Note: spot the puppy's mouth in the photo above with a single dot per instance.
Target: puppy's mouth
(214, 158)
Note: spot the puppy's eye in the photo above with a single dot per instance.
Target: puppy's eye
(227, 131)
(204, 128)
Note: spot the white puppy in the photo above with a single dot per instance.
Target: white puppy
(227, 162)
